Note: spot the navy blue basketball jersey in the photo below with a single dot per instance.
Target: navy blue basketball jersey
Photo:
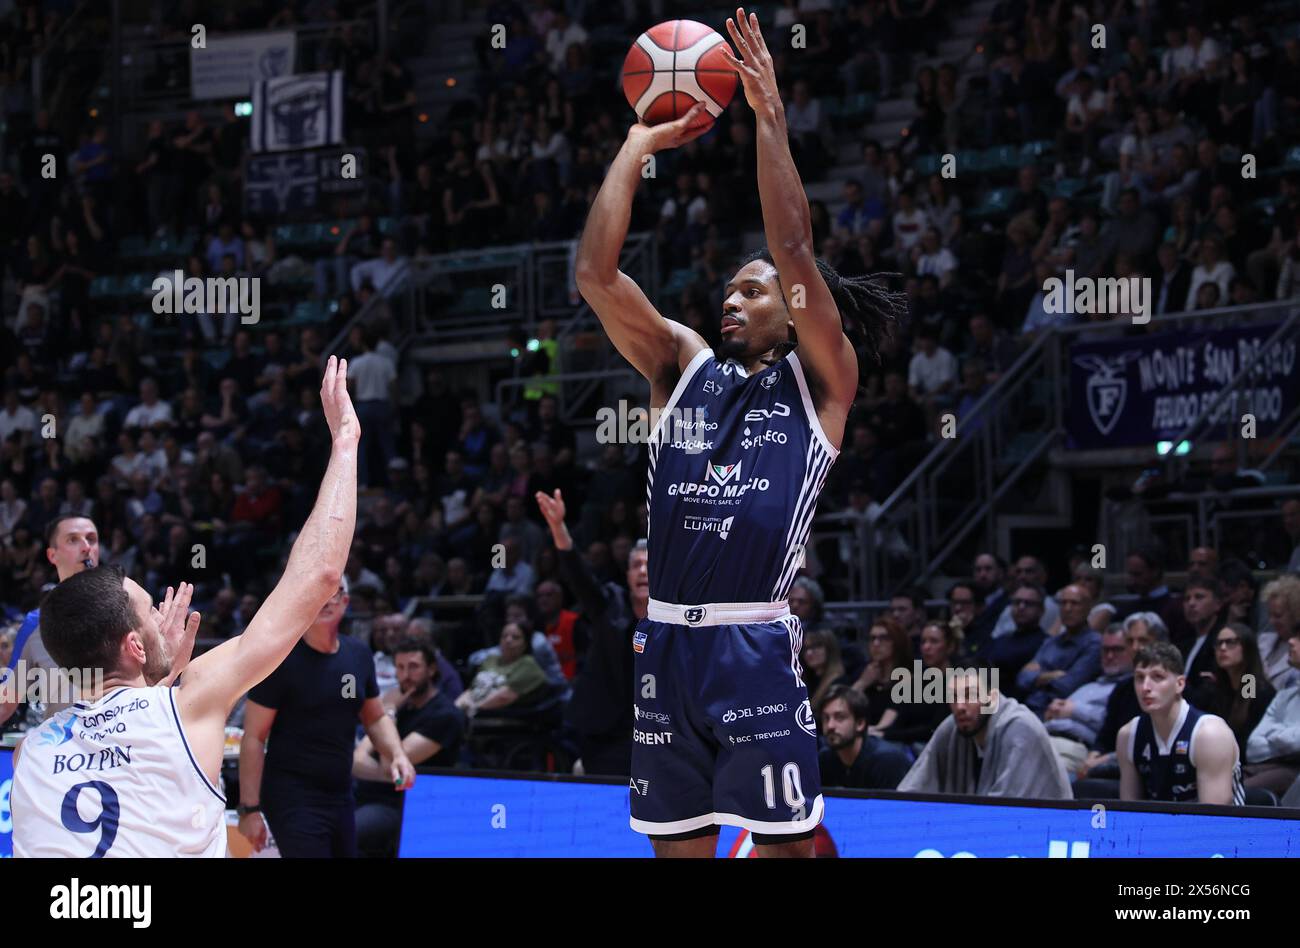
(1167, 772)
(737, 462)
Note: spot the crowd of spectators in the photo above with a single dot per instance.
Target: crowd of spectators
(171, 450)
(1067, 660)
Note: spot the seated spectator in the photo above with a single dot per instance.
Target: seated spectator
(515, 577)
(1171, 751)
(509, 678)
(823, 667)
(932, 258)
(852, 757)
(1281, 602)
(1009, 653)
(1212, 268)
(1140, 630)
(932, 373)
(888, 648)
(1073, 722)
(152, 412)
(430, 728)
(1029, 569)
(1064, 663)
(1203, 611)
(917, 721)
(1241, 693)
(964, 603)
(1273, 748)
(991, 746)
(388, 273)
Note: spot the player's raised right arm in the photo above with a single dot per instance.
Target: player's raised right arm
(215, 681)
(655, 346)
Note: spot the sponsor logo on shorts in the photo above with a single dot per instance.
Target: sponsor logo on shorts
(803, 716)
(652, 737)
(638, 641)
(657, 716)
(737, 714)
(755, 738)
(695, 614)
(639, 787)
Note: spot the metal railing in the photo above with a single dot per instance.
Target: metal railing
(956, 489)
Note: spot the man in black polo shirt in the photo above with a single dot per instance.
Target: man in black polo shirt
(430, 727)
(301, 778)
(855, 758)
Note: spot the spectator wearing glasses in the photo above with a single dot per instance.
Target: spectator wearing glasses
(1028, 569)
(889, 648)
(1073, 722)
(1010, 653)
(964, 604)
(1241, 692)
(1140, 630)
(1067, 661)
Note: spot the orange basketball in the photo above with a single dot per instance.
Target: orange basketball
(672, 66)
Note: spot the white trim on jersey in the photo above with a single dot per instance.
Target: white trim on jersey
(653, 444)
(781, 828)
(795, 629)
(716, 613)
(704, 355)
(816, 466)
(809, 409)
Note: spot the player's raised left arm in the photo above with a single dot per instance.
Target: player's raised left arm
(824, 350)
(1216, 758)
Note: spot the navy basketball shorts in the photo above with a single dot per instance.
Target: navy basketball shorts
(724, 731)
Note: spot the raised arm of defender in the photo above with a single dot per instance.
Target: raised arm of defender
(215, 681)
(658, 348)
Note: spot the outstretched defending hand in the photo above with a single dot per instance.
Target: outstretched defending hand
(334, 398)
(553, 510)
(179, 628)
(757, 73)
(652, 138)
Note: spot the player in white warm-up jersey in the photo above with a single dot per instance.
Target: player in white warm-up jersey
(116, 777)
(133, 769)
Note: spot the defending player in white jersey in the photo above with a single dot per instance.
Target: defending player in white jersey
(134, 769)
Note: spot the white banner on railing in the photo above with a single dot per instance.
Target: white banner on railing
(230, 65)
(298, 112)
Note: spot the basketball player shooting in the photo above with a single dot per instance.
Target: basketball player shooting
(745, 435)
(133, 769)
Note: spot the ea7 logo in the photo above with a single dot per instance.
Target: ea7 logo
(722, 473)
(641, 787)
(782, 410)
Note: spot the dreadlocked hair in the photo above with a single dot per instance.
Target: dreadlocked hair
(869, 309)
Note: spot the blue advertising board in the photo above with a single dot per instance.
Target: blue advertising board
(6, 818)
(1137, 391)
(487, 816)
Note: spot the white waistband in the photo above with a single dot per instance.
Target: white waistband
(716, 613)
